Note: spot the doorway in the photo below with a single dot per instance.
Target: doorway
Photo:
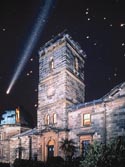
(51, 149)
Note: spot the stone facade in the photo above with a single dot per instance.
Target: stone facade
(62, 111)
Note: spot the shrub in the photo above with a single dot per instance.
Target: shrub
(55, 162)
(4, 165)
(109, 155)
(27, 163)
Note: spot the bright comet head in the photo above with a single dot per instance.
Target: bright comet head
(8, 91)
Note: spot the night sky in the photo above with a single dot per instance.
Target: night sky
(97, 25)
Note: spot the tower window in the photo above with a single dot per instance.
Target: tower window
(47, 120)
(54, 118)
(51, 63)
(76, 66)
(86, 120)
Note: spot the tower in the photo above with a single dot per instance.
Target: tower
(61, 80)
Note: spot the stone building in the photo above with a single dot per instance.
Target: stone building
(11, 124)
(62, 111)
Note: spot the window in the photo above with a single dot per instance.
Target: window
(51, 63)
(17, 115)
(85, 145)
(76, 64)
(47, 120)
(54, 118)
(85, 141)
(86, 120)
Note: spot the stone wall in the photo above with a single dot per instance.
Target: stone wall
(107, 120)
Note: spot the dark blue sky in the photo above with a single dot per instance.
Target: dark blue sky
(98, 26)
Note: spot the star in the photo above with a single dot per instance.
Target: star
(115, 74)
(27, 74)
(3, 29)
(31, 59)
(122, 24)
(31, 72)
(95, 44)
(35, 105)
(87, 37)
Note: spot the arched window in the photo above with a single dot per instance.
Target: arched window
(47, 120)
(54, 118)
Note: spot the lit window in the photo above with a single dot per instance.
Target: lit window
(86, 120)
(47, 120)
(54, 118)
(17, 115)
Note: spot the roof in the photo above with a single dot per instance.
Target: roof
(60, 38)
(29, 132)
(117, 91)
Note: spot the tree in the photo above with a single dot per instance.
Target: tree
(110, 155)
(68, 147)
(93, 154)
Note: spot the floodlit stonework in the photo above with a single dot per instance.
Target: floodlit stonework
(62, 110)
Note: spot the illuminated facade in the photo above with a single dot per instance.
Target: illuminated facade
(62, 110)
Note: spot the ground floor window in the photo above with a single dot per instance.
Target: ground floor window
(85, 145)
(85, 141)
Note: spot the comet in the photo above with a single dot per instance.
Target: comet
(32, 40)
